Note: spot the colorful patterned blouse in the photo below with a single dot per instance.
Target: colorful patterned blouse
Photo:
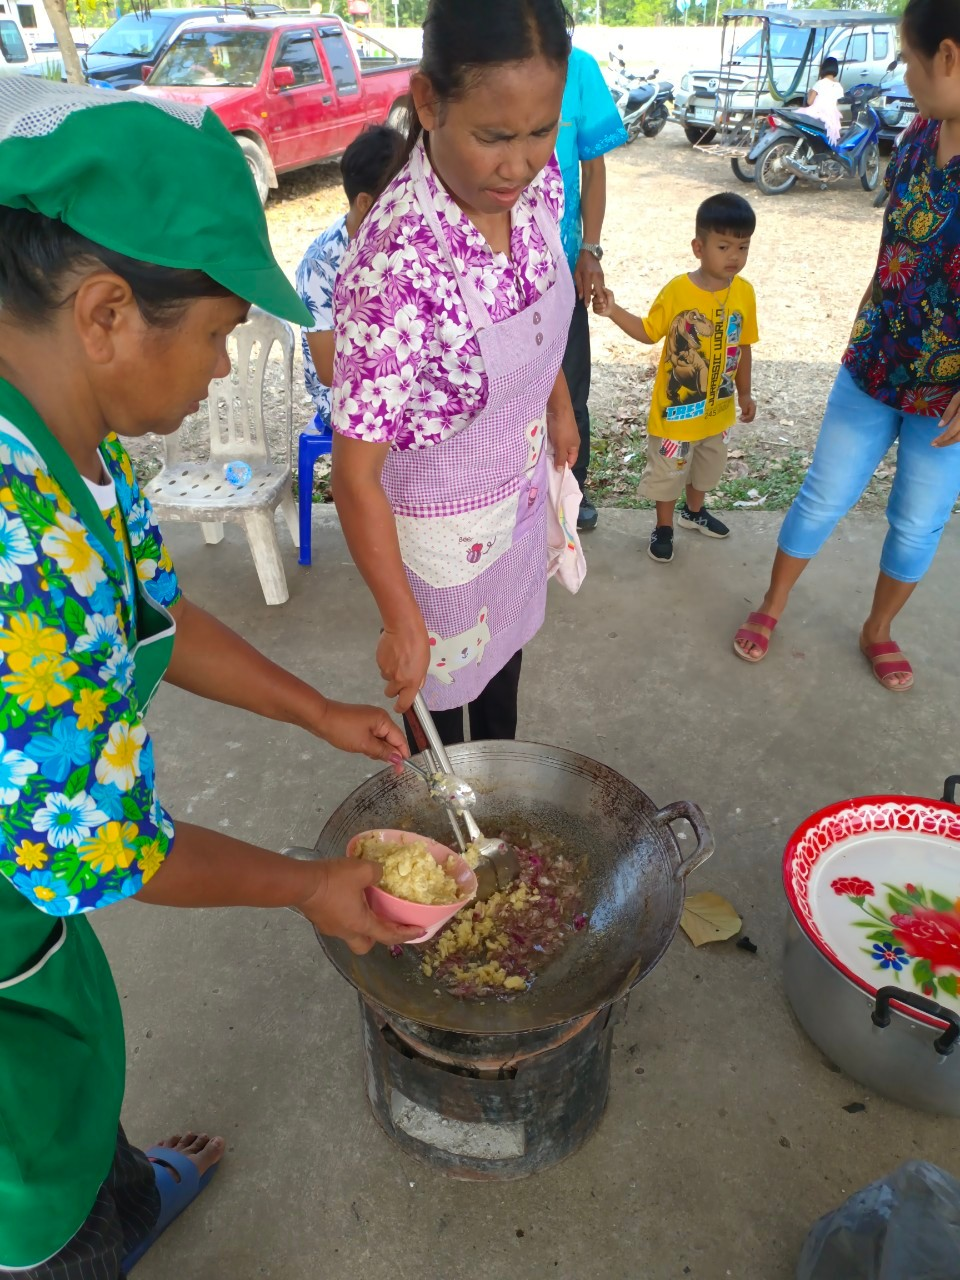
(81, 824)
(408, 368)
(316, 276)
(905, 349)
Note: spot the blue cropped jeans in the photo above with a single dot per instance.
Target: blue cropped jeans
(857, 431)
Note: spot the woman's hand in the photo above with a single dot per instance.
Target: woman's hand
(367, 731)
(403, 656)
(565, 437)
(951, 421)
(588, 276)
(339, 909)
(562, 426)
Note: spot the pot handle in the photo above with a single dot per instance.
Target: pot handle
(950, 789)
(944, 1044)
(694, 815)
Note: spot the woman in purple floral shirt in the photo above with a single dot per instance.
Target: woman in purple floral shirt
(900, 377)
(452, 311)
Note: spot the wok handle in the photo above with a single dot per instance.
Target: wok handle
(693, 814)
(950, 789)
(945, 1043)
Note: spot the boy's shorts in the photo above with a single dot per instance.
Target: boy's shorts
(674, 464)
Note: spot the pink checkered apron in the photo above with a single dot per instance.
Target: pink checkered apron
(471, 509)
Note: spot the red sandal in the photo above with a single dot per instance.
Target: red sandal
(750, 635)
(887, 659)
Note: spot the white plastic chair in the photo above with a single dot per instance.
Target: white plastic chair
(199, 491)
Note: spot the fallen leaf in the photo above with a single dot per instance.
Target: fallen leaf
(757, 502)
(708, 918)
(735, 453)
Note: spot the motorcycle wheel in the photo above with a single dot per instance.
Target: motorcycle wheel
(634, 129)
(744, 170)
(696, 134)
(773, 178)
(653, 125)
(870, 174)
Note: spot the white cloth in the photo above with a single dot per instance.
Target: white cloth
(565, 558)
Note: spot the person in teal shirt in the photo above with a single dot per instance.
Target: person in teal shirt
(590, 126)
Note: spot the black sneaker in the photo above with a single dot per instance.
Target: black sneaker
(703, 522)
(588, 517)
(661, 544)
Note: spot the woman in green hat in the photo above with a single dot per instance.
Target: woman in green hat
(131, 243)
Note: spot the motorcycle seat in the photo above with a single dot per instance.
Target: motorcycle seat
(643, 93)
(794, 117)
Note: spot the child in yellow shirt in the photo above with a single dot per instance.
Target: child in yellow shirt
(709, 320)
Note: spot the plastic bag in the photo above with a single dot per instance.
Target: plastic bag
(904, 1227)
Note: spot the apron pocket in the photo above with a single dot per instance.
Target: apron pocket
(452, 550)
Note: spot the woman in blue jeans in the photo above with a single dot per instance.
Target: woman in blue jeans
(900, 377)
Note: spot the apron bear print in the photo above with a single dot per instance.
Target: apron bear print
(457, 652)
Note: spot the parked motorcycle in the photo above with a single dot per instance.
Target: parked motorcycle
(643, 101)
(796, 146)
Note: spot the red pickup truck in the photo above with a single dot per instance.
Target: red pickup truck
(292, 90)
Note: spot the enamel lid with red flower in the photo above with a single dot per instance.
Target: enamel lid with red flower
(875, 885)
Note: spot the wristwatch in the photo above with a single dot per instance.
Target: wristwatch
(595, 249)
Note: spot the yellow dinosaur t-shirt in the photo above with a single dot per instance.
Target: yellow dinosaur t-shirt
(694, 395)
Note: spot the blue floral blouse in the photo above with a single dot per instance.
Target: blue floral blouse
(905, 349)
(81, 824)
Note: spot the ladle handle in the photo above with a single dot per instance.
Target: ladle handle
(693, 814)
(427, 738)
(423, 717)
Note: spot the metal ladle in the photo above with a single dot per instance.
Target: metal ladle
(498, 863)
(446, 788)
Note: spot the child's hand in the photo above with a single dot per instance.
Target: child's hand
(603, 301)
(748, 408)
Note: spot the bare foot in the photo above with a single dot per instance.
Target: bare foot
(203, 1150)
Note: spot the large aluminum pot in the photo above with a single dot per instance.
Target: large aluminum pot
(867, 961)
(632, 887)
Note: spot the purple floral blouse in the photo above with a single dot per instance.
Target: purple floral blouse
(408, 369)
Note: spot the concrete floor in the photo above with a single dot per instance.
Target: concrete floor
(725, 1135)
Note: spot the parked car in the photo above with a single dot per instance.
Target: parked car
(291, 89)
(897, 110)
(116, 59)
(791, 55)
(15, 55)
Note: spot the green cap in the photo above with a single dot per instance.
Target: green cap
(160, 182)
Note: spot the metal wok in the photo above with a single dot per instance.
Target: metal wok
(632, 889)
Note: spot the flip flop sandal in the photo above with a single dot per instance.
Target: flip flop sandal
(174, 1196)
(887, 660)
(749, 634)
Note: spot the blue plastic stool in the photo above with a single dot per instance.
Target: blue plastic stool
(315, 442)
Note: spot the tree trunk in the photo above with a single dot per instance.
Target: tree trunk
(57, 13)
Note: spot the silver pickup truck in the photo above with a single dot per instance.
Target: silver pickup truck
(796, 50)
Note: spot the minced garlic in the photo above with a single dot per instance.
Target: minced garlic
(411, 872)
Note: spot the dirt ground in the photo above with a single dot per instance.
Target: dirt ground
(813, 255)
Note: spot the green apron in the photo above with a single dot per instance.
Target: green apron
(62, 1054)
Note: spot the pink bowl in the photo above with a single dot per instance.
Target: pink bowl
(399, 910)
